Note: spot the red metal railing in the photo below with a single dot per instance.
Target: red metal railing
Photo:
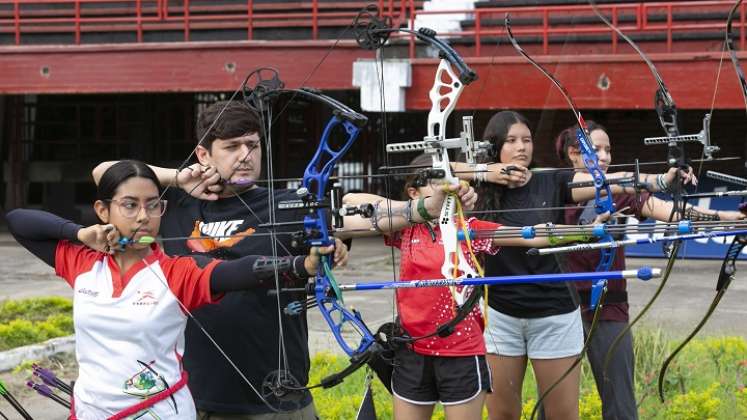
(21, 17)
(546, 29)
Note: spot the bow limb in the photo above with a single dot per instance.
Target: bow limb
(729, 41)
(603, 200)
(667, 112)
(728, 270)
(726, 276)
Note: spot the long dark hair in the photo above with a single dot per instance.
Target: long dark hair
(567, 138)
(121, 172)
(496, 131)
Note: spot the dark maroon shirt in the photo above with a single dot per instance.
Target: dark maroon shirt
(616, 308)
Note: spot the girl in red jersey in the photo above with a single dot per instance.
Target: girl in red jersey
(130, 303)
(430, 369)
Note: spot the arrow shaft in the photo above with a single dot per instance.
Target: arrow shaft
(535, 278)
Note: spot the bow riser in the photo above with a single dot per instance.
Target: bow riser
(444, 97)
(316, 178)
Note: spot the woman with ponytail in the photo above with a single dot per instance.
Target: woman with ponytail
(616, 386)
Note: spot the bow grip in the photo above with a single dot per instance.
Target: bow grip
(315, 229)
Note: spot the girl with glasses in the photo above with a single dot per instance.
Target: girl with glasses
(130, 298)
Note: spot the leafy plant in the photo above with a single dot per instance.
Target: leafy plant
(30, 321)
(695, 405)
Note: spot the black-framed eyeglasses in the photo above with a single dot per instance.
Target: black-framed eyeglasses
(131, 208)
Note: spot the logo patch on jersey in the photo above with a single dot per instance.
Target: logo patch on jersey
(207, 237)
(145, 297)
(146, 383)
(88, 292)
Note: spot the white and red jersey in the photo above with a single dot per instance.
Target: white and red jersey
(129, 329)
(422, 310)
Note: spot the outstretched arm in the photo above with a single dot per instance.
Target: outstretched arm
(654, 182)
(661, 210)
(165, 175)
(392, 216)
(39, 232)
(254, 271)
(388, 217)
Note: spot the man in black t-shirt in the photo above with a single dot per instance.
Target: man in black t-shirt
(246, 325)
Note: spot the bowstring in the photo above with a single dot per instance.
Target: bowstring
(268, 122)
(209, 337)
(379, 57)
(281, 351)
(181, 304)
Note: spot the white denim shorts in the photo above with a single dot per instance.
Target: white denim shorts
(551, 337)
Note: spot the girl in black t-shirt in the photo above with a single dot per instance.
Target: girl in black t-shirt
(537, 322)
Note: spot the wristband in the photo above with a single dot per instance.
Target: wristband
(375, 218)
(692, 214)
(663, 186)
(481, 172)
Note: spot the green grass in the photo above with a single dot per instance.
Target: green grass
(706, 381)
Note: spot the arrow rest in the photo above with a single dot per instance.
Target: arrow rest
(335, 206)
